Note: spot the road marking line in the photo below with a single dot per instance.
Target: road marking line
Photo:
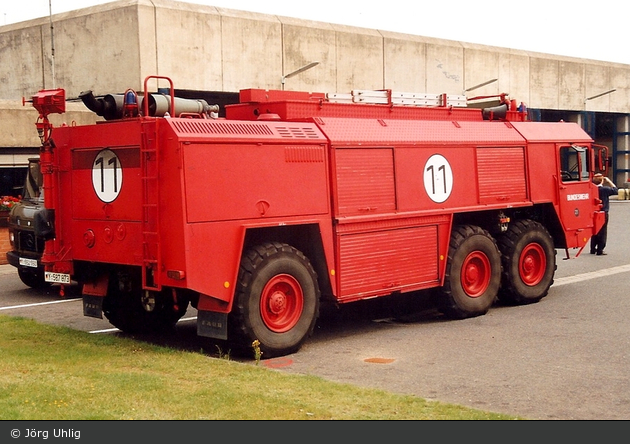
(39, 303)
(107, 330)
(591, 275)
(111, 330)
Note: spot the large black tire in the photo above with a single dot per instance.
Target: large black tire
(277, 300)
(529, 262)
(33, 278)
(473, 273)
(135, 311)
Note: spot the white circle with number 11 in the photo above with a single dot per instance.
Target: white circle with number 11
(107, 175)
(438, 178)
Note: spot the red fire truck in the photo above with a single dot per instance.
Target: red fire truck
(294, 198)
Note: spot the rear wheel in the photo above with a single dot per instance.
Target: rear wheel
(473, 273)
(529, 262)
(134, 310)
(277, 300)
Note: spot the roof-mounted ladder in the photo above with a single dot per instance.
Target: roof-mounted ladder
(389, 97)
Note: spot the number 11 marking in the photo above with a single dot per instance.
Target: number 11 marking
(107, 175)
(438, 178)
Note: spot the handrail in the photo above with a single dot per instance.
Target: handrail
(145, 101)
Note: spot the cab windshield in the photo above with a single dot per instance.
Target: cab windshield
(33, 183)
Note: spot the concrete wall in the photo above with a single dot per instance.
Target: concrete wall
(94, 47)
(17, 122)
(111, 47)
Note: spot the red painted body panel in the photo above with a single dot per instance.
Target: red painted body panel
(264, 181)
(574, 202)
(388, 132)
(378, 176)
(125, 207)
(378, 257)
(234, 175)
(552, 132)
(115, 225)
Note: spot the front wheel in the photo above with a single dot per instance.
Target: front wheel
(473, 273)
(277, 300)
(33, 278)
(529, 262)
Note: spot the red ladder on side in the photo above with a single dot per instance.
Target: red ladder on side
(149, 165)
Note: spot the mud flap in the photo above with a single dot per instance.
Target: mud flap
(93, 306)
(93, 295)
(211, 324)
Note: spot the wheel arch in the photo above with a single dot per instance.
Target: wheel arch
(543, 213)
(306, 238)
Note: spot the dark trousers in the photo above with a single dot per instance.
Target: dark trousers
(598, 241)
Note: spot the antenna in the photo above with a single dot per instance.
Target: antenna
(297, 71)
(52, 43)
(472, 88)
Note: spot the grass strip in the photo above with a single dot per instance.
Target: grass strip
(56, 373)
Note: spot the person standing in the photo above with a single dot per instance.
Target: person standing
(606, 188)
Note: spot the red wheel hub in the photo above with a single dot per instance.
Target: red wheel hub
(476, 272)
(532, 264)
(281, 303)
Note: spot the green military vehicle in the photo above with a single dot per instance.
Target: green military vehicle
(27, 246)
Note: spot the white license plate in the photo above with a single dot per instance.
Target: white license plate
(28, 262)
(58, 278)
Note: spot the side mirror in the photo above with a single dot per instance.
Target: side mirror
(44, 223)
(601, 159)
